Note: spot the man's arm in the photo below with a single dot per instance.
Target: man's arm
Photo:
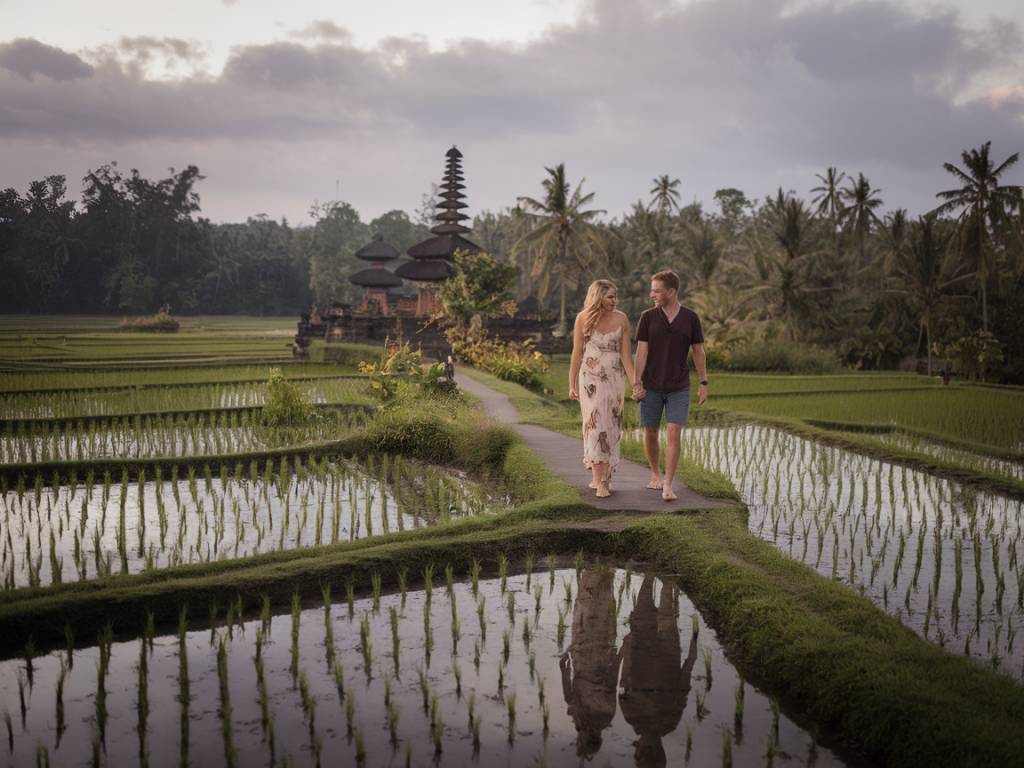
(700, 362)
(638, 368)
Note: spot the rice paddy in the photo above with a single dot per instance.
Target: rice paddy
(71, 404)
(108, 525)
(947, 560)
(596, 664)
(168, 436)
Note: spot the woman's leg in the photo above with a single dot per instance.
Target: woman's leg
(601, 477)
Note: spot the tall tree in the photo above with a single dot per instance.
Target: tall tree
(858, 212)
(665, 195)
(829, 201)
(564, 241)
(982, 202)
(924, 273)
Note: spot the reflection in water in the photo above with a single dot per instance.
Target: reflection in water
(590, 666)
(654, 684)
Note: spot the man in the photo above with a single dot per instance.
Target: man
(665, 335)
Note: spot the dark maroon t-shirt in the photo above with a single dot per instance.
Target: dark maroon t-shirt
(668, 346)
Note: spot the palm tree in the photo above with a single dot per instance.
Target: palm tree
(926, 272)
(665, 193)
(858, 213)
(703, 253)
(783, 273)
(982, 202)
(563, 243)
(829, 201)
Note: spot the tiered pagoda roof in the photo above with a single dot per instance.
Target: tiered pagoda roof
(377, 252)
(432, 258)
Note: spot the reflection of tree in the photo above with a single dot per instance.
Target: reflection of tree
(654, 685)
(590, 666)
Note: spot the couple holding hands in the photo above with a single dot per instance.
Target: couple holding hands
(602, 363)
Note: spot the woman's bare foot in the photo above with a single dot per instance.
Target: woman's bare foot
(667, 494)
(603, 490)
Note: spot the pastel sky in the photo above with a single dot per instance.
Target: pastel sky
(281, 104)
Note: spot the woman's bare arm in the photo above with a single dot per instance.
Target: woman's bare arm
(577, 358)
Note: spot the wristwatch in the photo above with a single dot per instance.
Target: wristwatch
(703, 382)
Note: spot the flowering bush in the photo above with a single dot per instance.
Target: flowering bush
(513, 361)
(398, 363)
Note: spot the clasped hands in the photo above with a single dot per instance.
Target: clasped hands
(638, 391)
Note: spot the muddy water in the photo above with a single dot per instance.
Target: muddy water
(638, 679)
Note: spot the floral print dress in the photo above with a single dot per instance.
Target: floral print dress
(601, 386)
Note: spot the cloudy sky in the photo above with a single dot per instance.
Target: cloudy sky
(281, 104)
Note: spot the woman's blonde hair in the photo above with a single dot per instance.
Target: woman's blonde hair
(592, 311)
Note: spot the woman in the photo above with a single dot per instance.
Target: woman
(601, 365)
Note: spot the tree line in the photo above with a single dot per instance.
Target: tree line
(827, 266)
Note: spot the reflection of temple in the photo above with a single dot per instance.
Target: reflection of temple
(382, 313)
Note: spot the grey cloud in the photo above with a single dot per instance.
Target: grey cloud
(747, 93)
(27, 57)
(323, 29)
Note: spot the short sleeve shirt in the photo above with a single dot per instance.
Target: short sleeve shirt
(668, 346)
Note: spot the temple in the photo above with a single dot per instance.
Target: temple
(432, 259)
(383, 312)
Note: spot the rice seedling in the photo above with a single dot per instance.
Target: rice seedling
(393, 717)
(402, 573)
(350, 713)
(375, 582)
(449, 579)
(474, 574)
(737, 719)
(511, 603)
(142, 702)
(506, 645)
(184, 695)
(366, 647)
(360, 747)
(726, 748)
(551, 573)
(350, 596)
(510, 705)
(225, 711)
(457, 674)
(424, 685)
(560, 638)
(530, 558)
(503, 571)
(706, 654)
(59, 701)
(296, 622)
(428, 582)
(481, 610)
(395, 640)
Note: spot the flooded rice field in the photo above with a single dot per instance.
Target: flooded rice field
(560, 667)
(946, 559)
(110, 525)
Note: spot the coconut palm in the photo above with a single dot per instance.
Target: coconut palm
(829, 202)
(982, 202)
(858, 213)
(563, 241)
(665, 195)
(702, 251)
(925, 273)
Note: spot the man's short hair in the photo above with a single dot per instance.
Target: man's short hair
(668, 278)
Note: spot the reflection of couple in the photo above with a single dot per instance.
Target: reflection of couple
(654, 684)
(660, 379)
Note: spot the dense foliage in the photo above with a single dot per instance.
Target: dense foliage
(829, 268)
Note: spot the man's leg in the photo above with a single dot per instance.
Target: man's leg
(674, 431)
(652, 453)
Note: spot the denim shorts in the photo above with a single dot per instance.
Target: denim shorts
(675, 404)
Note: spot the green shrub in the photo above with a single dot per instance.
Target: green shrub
(782, 356)
(287, 405)
(414, 432)
(161, 322)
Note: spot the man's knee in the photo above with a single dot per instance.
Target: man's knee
(674, 431)
(651, 433)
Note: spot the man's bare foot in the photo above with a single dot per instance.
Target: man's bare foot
(654, 484)
(667, 494)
